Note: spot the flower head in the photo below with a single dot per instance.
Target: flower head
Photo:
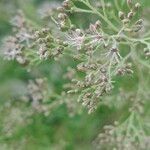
(76, 39)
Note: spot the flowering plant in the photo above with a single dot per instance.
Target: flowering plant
(108, 48)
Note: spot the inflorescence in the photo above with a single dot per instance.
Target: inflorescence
(99, 57)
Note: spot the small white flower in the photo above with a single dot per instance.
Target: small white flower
(76, 39)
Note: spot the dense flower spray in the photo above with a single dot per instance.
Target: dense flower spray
(100, 58)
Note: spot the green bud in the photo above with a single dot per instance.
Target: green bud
(62, 16)
(129, 3)
(67, 4)
(98, 24)
(121, 15)
(137, 6)
(130, 15)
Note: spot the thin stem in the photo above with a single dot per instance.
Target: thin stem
(103, 6)
(121, 63)
(82, 10)
(100, 15)
(116, 4)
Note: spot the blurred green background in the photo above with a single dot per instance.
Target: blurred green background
(58, 131)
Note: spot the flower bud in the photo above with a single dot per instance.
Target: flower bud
(121, 15)
(129, 71)
(63, 26)
(147, 52)
(72, 27)
(45, 30)
(62, 16)
(139, 22)
(128, 65)
(137, 28)
(137, 6)
(98, 24)
(67, 4)
(129, 2)
(130, 15)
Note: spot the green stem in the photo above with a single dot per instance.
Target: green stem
(100, 15)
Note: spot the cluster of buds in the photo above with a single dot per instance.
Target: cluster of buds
(64, 21)
(67, 4)
(83, 67)
(97, 80)
(37, 91)
(23, 31)
(105, 138)
(13, 50)
(15, 45)
(138, 25)
(127, 18)
(94, 86)
(40, 98)
(43, 39)
(47, 45)
(131, 5)
(94, 34)
(119, 137)
(16, 117)
(126, 69)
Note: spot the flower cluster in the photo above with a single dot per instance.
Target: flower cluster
(37, 95)
(99, 58)
(123, 136)
(47, 45)
(14, 46)
(129, 134)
